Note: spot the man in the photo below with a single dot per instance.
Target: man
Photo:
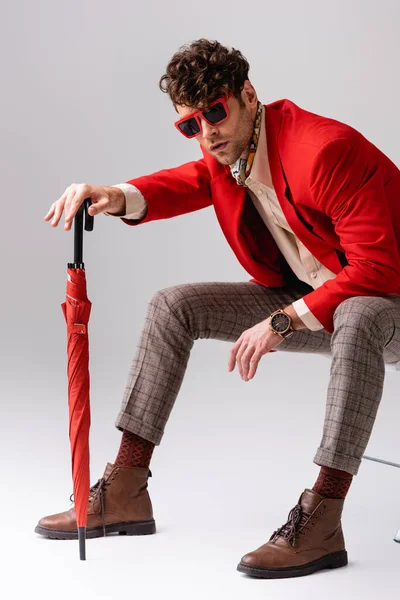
(309, 207)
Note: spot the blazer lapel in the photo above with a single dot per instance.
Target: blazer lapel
(301, 228)
(246, 233)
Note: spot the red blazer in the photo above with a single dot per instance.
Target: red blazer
(339, 193)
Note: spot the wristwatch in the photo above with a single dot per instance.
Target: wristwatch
(281, 323)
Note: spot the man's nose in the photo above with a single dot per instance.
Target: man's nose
(207, 130)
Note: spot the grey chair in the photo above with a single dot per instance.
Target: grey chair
(389, 367)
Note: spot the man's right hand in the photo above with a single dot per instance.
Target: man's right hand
(104, 199)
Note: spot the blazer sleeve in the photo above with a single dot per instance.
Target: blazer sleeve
(172, 192)
(347, 185)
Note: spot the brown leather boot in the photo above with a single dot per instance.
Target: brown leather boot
(311, 539)
(118, 503)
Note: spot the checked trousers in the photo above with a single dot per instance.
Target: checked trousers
(366, 335)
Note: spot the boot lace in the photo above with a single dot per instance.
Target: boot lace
(97, 491)
(290, 531)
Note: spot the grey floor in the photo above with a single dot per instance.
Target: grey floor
(195, 555)
(220, 487)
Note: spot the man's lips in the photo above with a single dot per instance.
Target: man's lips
(218, 146)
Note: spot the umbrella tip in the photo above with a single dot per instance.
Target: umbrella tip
(82, 542)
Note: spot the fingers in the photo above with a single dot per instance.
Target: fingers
(59, 207)
(239, 359)
(50, 213)
(56, 210)
(69, 203)
(70, 193)
(75, 197)
(255, 359)
(247, 359)
(236, 356)
(101, 205)
(232, 355)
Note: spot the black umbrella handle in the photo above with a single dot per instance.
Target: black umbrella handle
(80, 216)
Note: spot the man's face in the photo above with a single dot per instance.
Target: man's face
(231, 139)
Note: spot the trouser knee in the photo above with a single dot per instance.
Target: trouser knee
(362, 317)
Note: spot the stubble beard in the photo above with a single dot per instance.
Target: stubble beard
(241, 144)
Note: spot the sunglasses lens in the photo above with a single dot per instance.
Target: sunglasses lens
(216, 113)
(189, 127)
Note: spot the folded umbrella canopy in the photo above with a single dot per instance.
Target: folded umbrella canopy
(76, 309)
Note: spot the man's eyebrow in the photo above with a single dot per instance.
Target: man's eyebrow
(188, 115)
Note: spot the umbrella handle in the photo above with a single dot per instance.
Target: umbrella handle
(78, 233)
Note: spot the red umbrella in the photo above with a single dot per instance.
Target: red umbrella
(76, 309)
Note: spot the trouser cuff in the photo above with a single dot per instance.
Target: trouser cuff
(134, 425)
(327, 458)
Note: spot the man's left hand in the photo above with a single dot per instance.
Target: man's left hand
(251, 346)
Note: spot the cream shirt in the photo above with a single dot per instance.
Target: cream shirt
(261, 190)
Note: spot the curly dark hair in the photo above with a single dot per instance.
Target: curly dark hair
(203, 70)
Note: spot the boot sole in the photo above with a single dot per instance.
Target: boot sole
(331, 561)
(132, 528)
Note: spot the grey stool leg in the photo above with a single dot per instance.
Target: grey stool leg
(388, 367)
(391, 464)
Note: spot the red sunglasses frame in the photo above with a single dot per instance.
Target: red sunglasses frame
(196, 115)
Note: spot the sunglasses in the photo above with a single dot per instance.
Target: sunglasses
(190, 126)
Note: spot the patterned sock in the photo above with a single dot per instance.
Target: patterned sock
(332, 483)
(134, 451)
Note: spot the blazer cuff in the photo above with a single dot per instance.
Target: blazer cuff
(136, 205)
(306, 315)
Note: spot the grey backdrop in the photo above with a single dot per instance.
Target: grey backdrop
(80, 103)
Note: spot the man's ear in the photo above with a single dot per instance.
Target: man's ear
(249, 94)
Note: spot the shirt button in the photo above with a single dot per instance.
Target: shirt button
(313, 275)
(259, 192)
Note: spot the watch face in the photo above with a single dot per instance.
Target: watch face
(280, 322)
